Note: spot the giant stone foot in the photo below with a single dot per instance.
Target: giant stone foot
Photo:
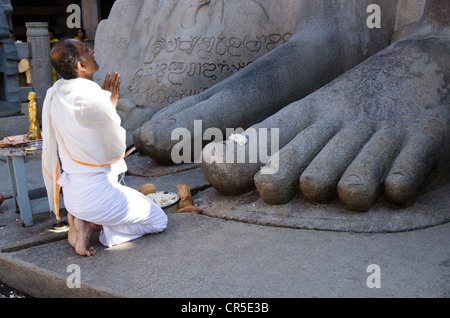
(309, 60)
(381, 128)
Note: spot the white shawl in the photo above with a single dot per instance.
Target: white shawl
(78, 115)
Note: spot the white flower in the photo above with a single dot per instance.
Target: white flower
(239, 139)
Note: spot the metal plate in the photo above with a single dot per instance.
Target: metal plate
(164, 199)
(33, 145)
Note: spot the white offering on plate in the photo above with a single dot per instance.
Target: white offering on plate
(163, 198)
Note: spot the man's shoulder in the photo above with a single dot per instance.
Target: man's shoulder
(90, 93)
(84, 87)
(81, 90)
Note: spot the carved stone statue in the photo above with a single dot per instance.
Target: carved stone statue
(166, 50)
(9, 71)
(34, 132)
(356, 117)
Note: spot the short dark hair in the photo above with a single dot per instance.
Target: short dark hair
(66, 64)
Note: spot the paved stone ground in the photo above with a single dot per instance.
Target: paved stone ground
(8, 292)
(239, 247)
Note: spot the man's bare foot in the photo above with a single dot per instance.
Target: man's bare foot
(83, 243)
(73, 234)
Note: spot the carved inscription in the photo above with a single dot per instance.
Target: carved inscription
(203, 47)
(161, 78)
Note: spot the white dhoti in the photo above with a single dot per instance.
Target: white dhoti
(124, 213)
(79, 123)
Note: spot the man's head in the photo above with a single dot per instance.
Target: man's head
(72, 59)
(51, 34)
(81, 33)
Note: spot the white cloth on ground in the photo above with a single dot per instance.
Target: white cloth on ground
(79, 120)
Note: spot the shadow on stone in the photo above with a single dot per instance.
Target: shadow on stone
(429, 210)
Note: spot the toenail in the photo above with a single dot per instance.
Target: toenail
(166, 123)
(353, 180)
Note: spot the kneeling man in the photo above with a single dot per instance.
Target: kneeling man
(81, 129)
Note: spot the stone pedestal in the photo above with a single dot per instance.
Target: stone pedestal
(9, 73)
(41, 69)
(90, 11)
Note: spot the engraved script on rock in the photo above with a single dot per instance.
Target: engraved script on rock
(168, 50)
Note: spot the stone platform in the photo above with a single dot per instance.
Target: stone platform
(239, 247)
(428, 210)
